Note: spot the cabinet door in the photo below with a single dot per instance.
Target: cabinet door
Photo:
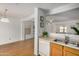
(56, 50)
(70, 52)
(44, 47)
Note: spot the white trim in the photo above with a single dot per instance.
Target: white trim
(63, 8)
(9, 42)
(36, 31)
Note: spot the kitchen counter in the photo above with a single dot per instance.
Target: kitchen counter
(60, 43)
(46, 39)
(67, 45)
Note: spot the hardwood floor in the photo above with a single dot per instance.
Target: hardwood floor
(20, 48)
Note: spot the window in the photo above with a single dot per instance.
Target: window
(63, 29)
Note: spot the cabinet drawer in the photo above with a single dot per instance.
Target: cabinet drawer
(73, 51)
(66, 53)
(56, 52)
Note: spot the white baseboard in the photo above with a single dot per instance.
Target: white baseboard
(8, 42)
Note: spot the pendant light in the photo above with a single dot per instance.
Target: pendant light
(4, 18)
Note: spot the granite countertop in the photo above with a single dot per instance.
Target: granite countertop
(51, 40)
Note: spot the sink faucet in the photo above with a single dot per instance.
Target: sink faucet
(66, 39)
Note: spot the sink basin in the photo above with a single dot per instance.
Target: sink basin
(57, 40)
(71, 44)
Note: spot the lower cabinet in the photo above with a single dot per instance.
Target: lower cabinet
(56, 50)
(59, 50)
(70, 52)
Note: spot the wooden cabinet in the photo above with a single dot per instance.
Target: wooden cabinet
(70, 52)
(56, 50)
(66, 53)
(60, 50)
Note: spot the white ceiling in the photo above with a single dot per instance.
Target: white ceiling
(21, 10)
(67, 16)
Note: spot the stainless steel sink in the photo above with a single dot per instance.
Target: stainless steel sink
(69, 43)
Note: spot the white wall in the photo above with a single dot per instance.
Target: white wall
(30, 18)
(40, 13)
(38, 31)
(10, 32)
(54, 27)
(68, 24)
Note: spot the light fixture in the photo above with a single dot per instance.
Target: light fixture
(4, 18)
(50, 19)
